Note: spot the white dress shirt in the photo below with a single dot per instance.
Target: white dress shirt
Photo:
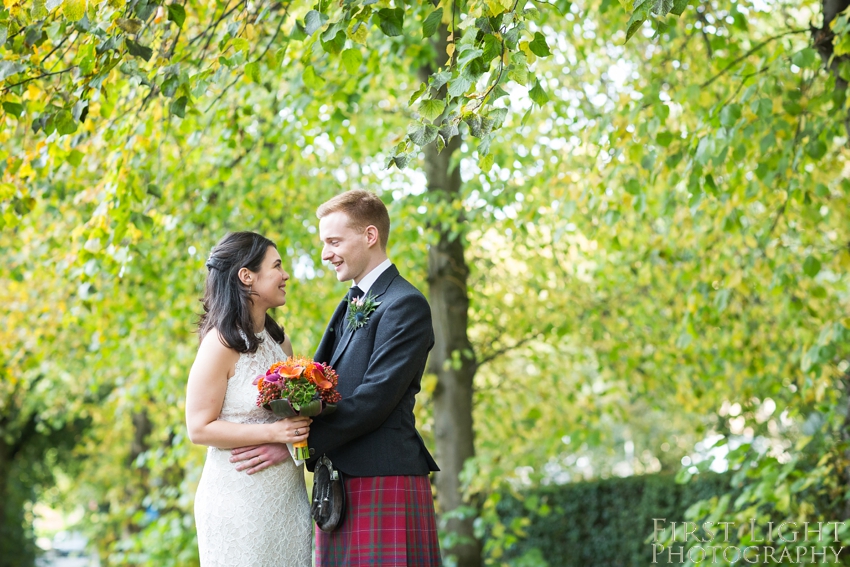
(370, 278)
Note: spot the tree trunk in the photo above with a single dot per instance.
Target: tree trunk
(447, 279)
(822, 42)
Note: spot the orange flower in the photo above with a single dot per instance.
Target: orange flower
(292, 371)
(318, 377)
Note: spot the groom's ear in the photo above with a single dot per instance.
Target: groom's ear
(372, 236)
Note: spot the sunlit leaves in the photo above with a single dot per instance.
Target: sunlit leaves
(351, 60)
(74, 9)
(177, 14)
(538, 45)
(138, 50)
(391, 21)
(431, 23)
(313, 21)
(538, 94)
(431, 108)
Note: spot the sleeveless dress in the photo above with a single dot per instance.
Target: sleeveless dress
(259, 520)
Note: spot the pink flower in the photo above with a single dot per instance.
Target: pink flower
(273, 378)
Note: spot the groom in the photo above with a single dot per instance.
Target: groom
(379, 353)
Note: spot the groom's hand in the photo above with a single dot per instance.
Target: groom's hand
(255, 458)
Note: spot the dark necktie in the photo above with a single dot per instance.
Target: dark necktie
(355, 293)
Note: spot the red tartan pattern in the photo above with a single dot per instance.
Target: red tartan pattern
(389, 522)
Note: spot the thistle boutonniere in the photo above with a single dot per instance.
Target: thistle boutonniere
(359, 310)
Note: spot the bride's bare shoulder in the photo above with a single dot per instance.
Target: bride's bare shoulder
(214, 345)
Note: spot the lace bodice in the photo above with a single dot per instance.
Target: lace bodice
(240, 398)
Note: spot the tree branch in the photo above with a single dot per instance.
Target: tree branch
(214, 25)
(750, 52)
(499, 352)
(9, 87)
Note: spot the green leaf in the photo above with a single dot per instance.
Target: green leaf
(816, 149)
(282, 408)
(74, 10)
(169, 86)
(138, 50)
(39, 11)
(177, 14)
(432, 23)
(75, 157)
(441, 144)
(431, 108)
(811, 266)
(639, 16)
(298, 32)
(13, 108)
(252, 71)
(178, 107)
(423, 134)
(311, 79)
(664, 139)
(437, 80)
(400, 161)
(391, 21)
(130, 25)
(632, 186)
(538, 45)
(313, 21)
(459, 86)
(518, 71)
(468, 55)
(485, 162)
(805, 58)
(498, 115)
(351, 60)
(492, 48)
(679, 7)
(730, 114)
(417, 93)
(538, 94)
(335, 45)
(65, 123)
(8, 68)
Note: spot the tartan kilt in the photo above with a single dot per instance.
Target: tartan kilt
(389, 522)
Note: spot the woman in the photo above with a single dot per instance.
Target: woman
(245, 519)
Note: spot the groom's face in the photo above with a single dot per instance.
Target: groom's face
(345, 248)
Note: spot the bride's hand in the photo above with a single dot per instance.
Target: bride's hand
(292, 429)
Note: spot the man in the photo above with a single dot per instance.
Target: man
(378, 344)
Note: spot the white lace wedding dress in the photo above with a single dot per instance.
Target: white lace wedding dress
(258, 520)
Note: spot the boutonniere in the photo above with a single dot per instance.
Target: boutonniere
(359, 310)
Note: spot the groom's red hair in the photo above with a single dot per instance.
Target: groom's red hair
(363, 209)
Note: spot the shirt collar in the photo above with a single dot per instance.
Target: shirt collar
(370, 278)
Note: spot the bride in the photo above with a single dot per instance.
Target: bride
(261, 518)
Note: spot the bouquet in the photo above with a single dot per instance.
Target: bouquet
(298, 386)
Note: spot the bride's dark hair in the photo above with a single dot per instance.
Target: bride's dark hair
(227, 301)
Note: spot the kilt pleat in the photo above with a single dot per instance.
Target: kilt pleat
(389, 522)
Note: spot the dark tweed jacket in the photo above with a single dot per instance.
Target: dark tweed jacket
(380, 366)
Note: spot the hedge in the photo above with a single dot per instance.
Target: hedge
(602, 523)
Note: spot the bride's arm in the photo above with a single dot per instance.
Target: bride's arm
(214, 364)
(286, 345)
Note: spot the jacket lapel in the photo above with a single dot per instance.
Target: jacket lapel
(378, 289)
(324, 351)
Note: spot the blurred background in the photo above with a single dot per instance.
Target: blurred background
(636, 254)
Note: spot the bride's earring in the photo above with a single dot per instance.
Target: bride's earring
(251, 289)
